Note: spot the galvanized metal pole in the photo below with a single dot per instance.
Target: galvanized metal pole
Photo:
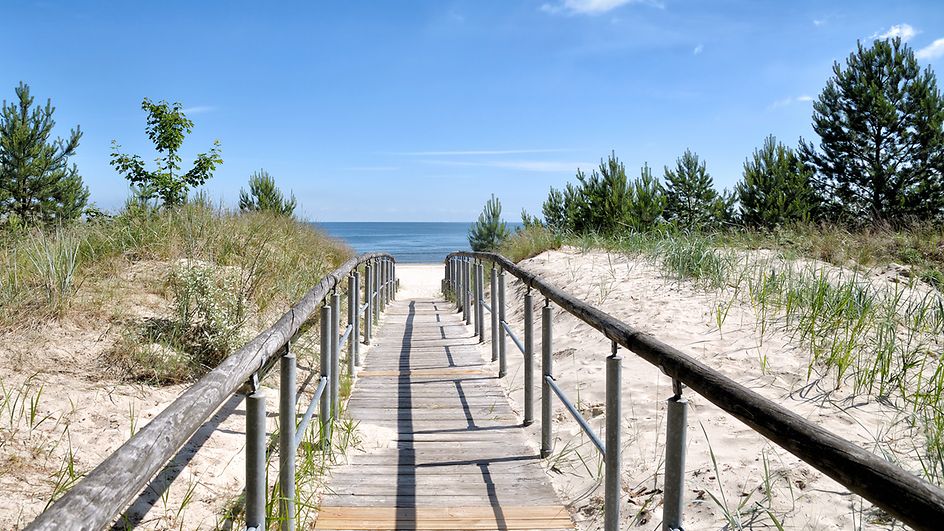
(466, 287)
(287, 441)
(480, 299)
(325, 414)
(476, 307)
(335, 355)
(351, 320)
(502, 362)
(356, 319)
(528, 358)
(256, 459)
(611, 492)
(368, 312)
(494, 312)
(376, 292)
(676, 428)
(547, 371)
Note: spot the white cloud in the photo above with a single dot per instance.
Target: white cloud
(791, 100)
(520, 165)
(931, 51)
(474, 152)
(593, 7)
(698, 49)
(371, 168)
(819, 21)
(905, 31)
(198, 109)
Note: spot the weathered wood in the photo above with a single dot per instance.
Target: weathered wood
(904, 495)
(445, 518)
(456, 456)
(96, 500)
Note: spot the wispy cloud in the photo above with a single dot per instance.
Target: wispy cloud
(593, 7)
(698, 49)
(199, 109)
(819, 21)
(520, 165)
(791, 100)
(931, 51)
(371, 168)
(905, 31)
(477, 152)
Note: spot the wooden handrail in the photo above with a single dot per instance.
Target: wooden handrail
(96, 500)
(907, 497)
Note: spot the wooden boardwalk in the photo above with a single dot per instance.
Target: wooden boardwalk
(457, 456)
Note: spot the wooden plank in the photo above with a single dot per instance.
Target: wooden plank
(457, 457)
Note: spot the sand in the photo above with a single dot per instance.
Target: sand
(98, 413)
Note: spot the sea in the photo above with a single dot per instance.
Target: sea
(408, 242)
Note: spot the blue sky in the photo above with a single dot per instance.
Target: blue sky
(376, 111)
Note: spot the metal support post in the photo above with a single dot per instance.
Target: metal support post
(256, 459)
(480, 300)
(335, 355)
(494, 313)
(502, 362)
(547, 371)
(325, 414)
(611, 490)
(287, 441)
(676, 428)
(528, 358)
(356, 317)
(375, 293)
(369, 311)
(351, 320)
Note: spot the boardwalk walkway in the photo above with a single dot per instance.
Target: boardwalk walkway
(458, 458)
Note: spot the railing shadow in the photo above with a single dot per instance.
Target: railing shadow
(406, 458)
(142, 505)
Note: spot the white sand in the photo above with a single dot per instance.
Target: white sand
(682, 315)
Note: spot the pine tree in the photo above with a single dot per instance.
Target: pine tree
(691, 200)
(881, 126)
(37, 184)
(489, 231)
(167, 126)
(648, 201)
(265, 196)
(775, 188)
(555, 211)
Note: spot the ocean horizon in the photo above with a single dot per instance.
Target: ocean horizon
(411, 242)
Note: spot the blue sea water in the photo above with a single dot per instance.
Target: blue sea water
(409, 242)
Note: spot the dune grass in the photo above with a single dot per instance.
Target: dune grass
(864, 333)
(223, 273)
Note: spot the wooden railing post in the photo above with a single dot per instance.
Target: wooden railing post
(611, 490)
(528, 358)
(287, 441)
(256, 459)
(676, 428)
(479, 310)
(547, 371)
(466, 288)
